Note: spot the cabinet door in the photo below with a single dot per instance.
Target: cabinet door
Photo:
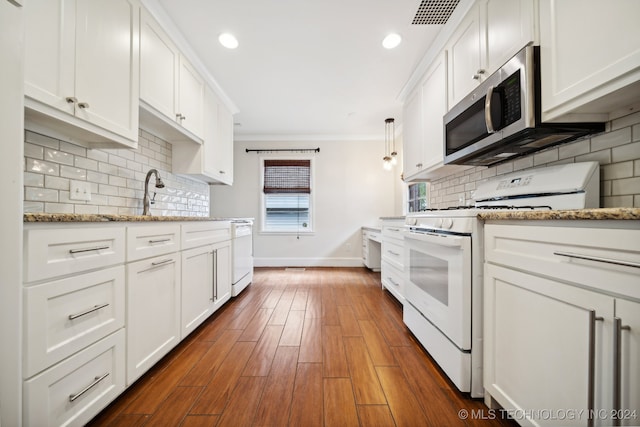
(197, 287)
(50, 52)
(588, 49)
(222, 271)
(159, 60)
(413, 143)
(224, 144)
(629, 313)
(107, 71)
(509, 27)
(465, 66)
(537, 344)
(153, 312)
(434, 106)
(191, 98)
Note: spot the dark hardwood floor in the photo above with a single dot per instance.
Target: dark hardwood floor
(319, 347)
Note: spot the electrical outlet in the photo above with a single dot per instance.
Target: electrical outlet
(80, 190)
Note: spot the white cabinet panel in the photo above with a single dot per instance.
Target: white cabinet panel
(465, 57)
(590, 58)
(159, 59)
(190, 98)
(629, 314)
(223, 274)
(62, 251)
(201, 233)
(82, 69)
(64, 316)
(146, 240)
(75, 390)
(197, 287)
(153, 311)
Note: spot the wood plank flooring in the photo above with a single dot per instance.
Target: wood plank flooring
(319, 347)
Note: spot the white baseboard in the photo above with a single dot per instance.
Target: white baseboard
(308, 262)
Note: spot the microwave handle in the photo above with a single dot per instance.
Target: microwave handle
(487, 110)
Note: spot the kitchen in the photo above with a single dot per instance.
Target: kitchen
(368, 192)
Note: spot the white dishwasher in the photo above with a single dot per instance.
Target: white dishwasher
(242, 242)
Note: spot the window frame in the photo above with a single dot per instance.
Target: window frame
(409, 200)
(310, 230)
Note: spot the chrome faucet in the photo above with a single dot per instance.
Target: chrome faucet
(159, 184)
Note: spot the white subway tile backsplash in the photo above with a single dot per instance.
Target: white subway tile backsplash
(611, 139)
(626, 152)
(547, 156)
(116, 177)
(625, 186)
(617, 170)
(573, 149)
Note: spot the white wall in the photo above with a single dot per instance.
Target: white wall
(11, 134)
(350, 190)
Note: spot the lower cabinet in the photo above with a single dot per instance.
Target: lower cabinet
(153, 311)
(73, 391)
(392, 271)
(562, 324)
(206, 283)
(371, 248)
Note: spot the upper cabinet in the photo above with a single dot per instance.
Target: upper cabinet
(590, 58)
(212, 161)
(82, 69)
(423, 134)
(171, 90)
(490, 34)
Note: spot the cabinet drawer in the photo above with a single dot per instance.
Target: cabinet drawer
(56, 252)
(144, 241)
(393, 231)
(202, 233)
(64, 316)
(393, 280)
(75, 390)
(393, 253)
(585, 256)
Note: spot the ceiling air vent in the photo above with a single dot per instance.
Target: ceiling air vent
(434, 12)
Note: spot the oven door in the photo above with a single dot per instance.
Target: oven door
(438, 282)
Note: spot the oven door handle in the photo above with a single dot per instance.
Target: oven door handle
(438, 239)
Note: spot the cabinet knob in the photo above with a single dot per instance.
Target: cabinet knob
(179, 116)
(476, 77)
(71, 99)
(221, 172)
(418, 165)
(83, 105)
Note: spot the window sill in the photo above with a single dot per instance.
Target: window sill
(287, 233)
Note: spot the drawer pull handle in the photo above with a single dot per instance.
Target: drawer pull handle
(591, 392)
(392, 281)
(95, 382)
(90, 310)
(164, 261)
(618, 327)
(97, 248)
(151, 242)
(599, 259)
(394, 229)
(393, 253)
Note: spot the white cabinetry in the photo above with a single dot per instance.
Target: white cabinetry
(424, 130)
(74, 314)
(392, 267)
(490, 34)
(153, 295)
(171, 90)
(590, 58)
(81, 69)
(552, 294)
(212, 161)
(206, 271)
(371, 248)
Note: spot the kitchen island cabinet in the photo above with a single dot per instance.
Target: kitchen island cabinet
(561, 327)
(371, 247)
(79, 82)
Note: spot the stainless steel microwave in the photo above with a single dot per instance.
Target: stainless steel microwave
(500, 120)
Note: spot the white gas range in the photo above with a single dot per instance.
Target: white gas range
(444, 261)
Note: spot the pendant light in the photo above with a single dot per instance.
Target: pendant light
(390, 158)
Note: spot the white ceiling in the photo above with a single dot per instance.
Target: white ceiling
(312, 69)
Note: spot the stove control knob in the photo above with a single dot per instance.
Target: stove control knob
(412, 221)
(447, 223)
(439, 223)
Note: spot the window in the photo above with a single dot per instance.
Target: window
(286, 195)
(418, 199)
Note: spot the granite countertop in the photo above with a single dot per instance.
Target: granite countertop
(592, 214)
(45, 217)
(378, 229)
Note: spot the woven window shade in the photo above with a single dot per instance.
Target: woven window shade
(287, 176)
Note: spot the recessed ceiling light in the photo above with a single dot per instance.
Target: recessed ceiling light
(391, 41)
(228, 40)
